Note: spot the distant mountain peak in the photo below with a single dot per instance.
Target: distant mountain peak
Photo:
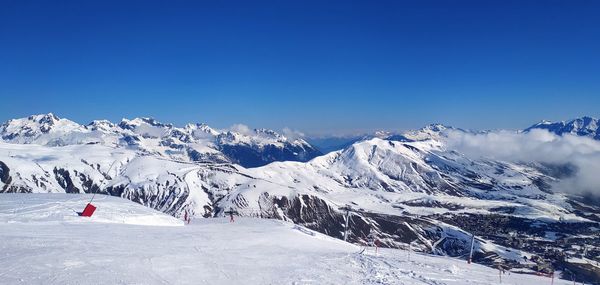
(584, 126)
(436, 127)
(201, 128)
(126, 123)
(24, 130)
(103, 125)
(268, 132)
(382, 134)
(432, 131)
(49, 118)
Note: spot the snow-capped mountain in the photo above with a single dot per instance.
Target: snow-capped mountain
(432, 131)
(409, 189)
(194, 142)
(584, 126)
(43, 129)
(403, 191)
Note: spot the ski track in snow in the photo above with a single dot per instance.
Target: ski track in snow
(44, 242)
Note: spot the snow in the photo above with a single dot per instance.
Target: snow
(45, 209)
(33, 164)
(42, 241)
(584, 126)
(358, 173)
(409, 179)
(147, 136)
(378, 175)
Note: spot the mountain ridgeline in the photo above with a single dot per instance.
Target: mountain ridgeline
(405, 188)
(584, 126)
(193, 143)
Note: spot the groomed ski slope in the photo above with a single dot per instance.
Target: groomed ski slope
(42, 241)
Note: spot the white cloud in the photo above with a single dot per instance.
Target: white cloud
(541, 146)
(241, 128)
(292, 134)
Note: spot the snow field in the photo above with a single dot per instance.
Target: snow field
(42, 241)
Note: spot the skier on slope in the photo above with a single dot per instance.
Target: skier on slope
(186, 217)
(230, 212)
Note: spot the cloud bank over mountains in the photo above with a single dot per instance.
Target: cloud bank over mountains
(582, 153)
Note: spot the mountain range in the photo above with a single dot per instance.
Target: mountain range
(584, 126)
(192, 143)
(405, 188)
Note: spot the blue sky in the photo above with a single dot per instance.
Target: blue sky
(316, 66)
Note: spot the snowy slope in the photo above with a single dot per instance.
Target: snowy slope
(379, 175)
(158, 183)
(63, 249)
(60, 209)
(390, 176)
(419, 192)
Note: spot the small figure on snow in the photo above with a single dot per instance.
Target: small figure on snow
(186, 217)
(373, 241)
(230, 212)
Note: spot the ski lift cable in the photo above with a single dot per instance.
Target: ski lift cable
(93, 195)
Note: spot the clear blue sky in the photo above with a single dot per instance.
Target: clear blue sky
(315, 66)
